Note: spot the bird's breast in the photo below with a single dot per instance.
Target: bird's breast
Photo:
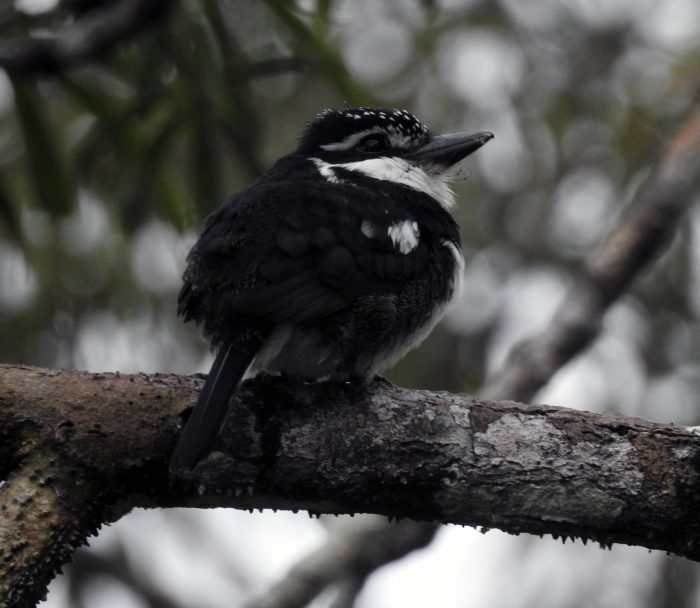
(371, 333)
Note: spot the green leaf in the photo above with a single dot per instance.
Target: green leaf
(9, 214)
(50, 175)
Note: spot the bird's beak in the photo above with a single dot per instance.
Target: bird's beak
(447, 150)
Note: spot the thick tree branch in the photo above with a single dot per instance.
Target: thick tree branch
(96, 32)
(415, 454)
(45, 512)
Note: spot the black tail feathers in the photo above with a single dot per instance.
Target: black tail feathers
(204, 424)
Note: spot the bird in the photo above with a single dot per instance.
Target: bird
(330, 265)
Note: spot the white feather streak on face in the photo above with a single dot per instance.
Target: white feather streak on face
(396, 138)
(405, 235)
(326, 170)
(351, 140)
(400, 171)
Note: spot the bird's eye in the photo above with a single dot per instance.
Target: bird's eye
(372, 144)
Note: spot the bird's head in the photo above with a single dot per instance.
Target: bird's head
(389, 145)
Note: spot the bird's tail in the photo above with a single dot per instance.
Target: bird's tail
(204, 424)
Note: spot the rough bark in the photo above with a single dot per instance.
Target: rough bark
(79, 449)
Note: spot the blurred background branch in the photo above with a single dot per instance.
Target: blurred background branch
(101, 27)
(645, 228)
(519, 468)
(352, 553)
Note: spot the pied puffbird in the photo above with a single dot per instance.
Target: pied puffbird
(331, 265)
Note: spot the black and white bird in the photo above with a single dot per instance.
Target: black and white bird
(331, 265)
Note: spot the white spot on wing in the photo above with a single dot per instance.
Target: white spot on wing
(368, 229)
(405, 235)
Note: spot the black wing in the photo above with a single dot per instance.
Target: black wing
(274, 260)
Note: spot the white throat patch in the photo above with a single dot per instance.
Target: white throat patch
(398, 171)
